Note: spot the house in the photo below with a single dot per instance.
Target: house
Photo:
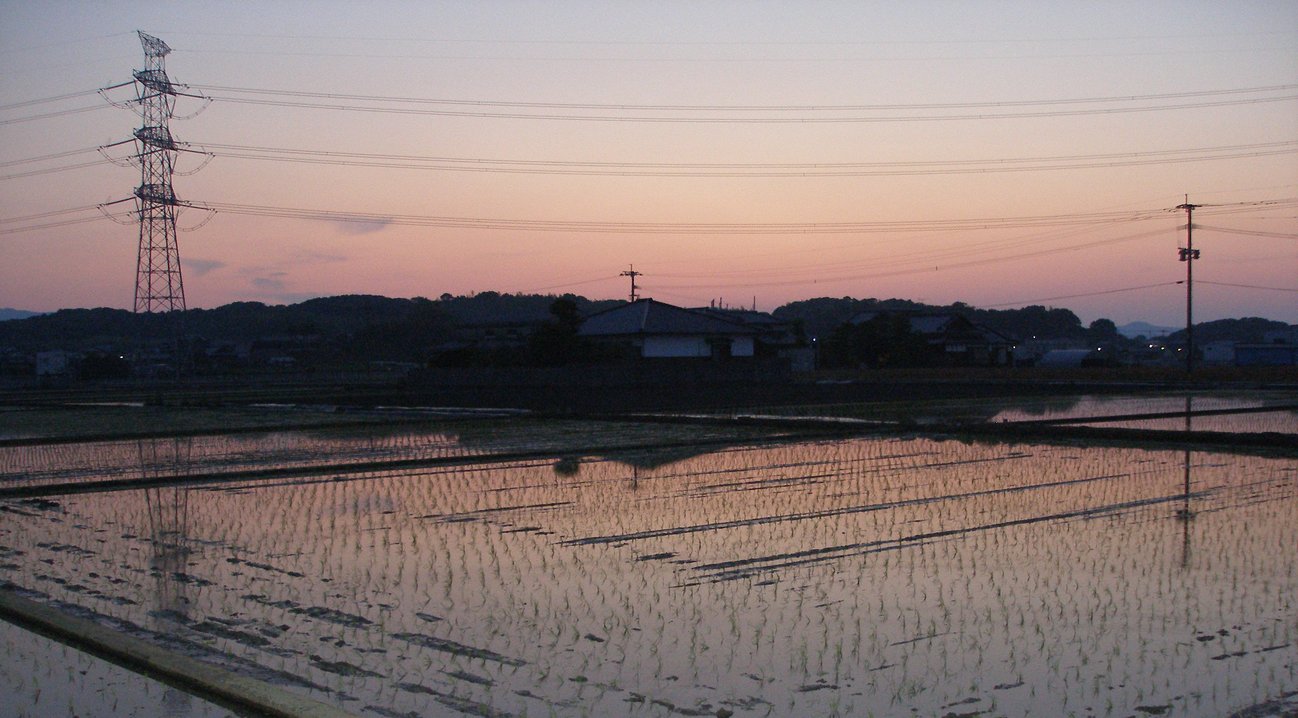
(1266, 355)
(958, 340)
(1068, 358)
(1279, 348)
(655, 330)
(53, 363)
(775, 337)
(1220, 353)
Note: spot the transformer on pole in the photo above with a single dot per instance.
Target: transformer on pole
(633, 274)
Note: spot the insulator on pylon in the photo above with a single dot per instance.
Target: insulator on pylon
(156, 80)
(159, 137)
(157, 193)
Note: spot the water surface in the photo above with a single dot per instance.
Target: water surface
(878, 576)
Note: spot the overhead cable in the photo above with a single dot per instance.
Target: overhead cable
(758, 169)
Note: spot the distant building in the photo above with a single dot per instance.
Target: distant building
(655, 330)
(1279, 348)
(1266, 355)
(775, 337)
(958, 340)
(1281, 336)
(1219, 353)
(53, 363)
(1070, 358)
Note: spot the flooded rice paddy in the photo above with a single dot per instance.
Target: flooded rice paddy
(1258, 412)
(850, 577)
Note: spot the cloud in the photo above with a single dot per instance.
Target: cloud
(361, 225)
(312, 257)
(272, 283)
(199, 267)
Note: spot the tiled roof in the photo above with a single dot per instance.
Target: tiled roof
(647, 316)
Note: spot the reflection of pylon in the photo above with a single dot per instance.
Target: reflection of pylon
(168, 517)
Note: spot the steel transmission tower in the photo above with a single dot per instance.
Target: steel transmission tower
(158, 284)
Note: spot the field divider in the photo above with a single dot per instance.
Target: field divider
(83, 487)
(1003, 430)
(1194, 413)
(204, 680)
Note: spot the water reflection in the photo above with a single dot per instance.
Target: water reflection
(168, 510)
(884, 576)
(38, 464)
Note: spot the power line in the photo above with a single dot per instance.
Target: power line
(52, 213)
(1249, 286)
(51, 170)
(569, 284)
(685, 228)
(1248, 232)
(52, 156)
(1079, 296)
(50, 115)
(43, 100)
(64, 223)
(921, 270)
(759, 169)
(751, 120)
(749, 108)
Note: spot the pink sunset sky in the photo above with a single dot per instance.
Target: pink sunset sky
(851, 149)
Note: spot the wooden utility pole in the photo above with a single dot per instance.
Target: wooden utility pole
(632, 274)
(1188, 255)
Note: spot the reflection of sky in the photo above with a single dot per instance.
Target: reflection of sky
(1077, 407)
(802, 579)
(1098, 407)
(55, 679)
(85, 462)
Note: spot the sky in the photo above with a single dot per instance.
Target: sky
(1000, 154)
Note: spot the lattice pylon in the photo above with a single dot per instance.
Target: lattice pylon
(158, 283)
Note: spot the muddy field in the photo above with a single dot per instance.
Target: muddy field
(893, 575)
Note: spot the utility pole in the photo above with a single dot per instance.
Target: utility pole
(632, 274)
(1188, 255)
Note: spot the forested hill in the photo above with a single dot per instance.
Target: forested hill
(1249, 330)
(821, 316)
(367, 317)
(386, 322)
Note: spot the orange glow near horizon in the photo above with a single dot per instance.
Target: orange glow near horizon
(935, 116)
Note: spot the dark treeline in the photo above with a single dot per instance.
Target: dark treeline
(820, 317)
(381, 328)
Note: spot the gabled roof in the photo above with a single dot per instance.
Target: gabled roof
(926, 323)
(742, 316)
(647, 316)
(935, 324)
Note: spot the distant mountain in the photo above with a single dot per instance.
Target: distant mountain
(1248, 330)
(6, 314)
(1145, 329)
